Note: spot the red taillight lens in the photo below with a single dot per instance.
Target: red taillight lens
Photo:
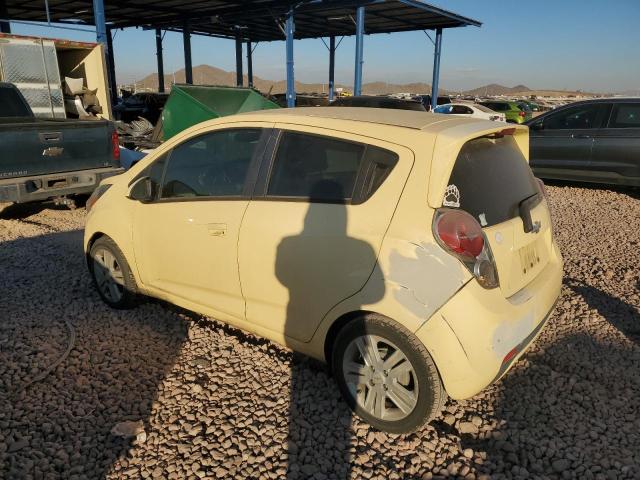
(460, 232)
(115, 145)
(522, 113)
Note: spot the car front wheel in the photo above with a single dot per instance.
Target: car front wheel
(386, 375)
(112, 275)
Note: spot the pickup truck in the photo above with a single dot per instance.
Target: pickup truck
(43, 159)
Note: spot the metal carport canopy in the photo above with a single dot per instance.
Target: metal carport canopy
(251, 21)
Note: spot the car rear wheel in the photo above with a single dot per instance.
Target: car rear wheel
(112, 275)
(386, 375)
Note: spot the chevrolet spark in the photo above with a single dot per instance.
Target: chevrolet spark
(413, 253)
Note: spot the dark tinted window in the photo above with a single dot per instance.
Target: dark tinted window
(315, 166)
(211, 165)
(497, 106)
(154, 172)
(11, 104)
(625, 116)
(379, 164)
(581, 116)
(461, 109)
(490, 179)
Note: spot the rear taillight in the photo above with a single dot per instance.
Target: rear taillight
(522, 114)
(115, 146)
(462, 236)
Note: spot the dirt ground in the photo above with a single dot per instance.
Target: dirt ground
(218, 403)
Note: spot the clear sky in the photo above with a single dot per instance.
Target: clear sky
(590, 45)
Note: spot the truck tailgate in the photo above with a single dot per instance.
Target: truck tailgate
(41, 146)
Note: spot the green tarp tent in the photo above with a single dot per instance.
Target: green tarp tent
(191, 104)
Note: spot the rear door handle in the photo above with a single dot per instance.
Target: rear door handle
(217, 229)
(578, 135)
(50, 136)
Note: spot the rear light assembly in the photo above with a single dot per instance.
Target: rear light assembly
(461, 235)
(115, 146)
(522, 113)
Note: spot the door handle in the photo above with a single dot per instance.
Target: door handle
(50, 136)
(578, 135)
(217, 229)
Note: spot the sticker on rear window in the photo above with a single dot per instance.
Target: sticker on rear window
(483, 219)
(451, 197)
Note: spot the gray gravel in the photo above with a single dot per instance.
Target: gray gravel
(217, 403)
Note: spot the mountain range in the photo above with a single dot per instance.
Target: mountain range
(209, 75)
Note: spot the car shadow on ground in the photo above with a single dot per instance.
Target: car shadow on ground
(620, 314)
(60, 426)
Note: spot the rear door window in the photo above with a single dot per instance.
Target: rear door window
(325, 169)
(490, 179)
(625, 115)
(579, 117)
(11, 104)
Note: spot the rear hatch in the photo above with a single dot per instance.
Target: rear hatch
(495, 185)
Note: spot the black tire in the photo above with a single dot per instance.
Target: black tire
(431, 393)
(129, 290)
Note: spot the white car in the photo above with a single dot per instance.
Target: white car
(470, 110)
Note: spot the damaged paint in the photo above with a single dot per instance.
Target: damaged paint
(510, 333)
(423, 277)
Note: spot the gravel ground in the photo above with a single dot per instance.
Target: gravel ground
(218, 403)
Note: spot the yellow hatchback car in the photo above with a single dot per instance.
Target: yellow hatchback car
(413, 253)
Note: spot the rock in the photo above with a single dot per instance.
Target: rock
(561, 465)
(129, 429)
(467, 427)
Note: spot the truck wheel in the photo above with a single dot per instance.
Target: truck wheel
(112, 275)
(386, 375)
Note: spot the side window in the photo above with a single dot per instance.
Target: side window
(316, 167)
(214, 164)
(583, 116)
(461, 109)
(154, 172)
(625, 116)
(379, 163)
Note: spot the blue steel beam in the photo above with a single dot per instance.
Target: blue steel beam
(101, 24)
(357, 82)
(249, 64)
(332, 65)
(436, 69)
(289, 30)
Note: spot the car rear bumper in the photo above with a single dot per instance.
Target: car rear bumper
(479, 334)
(43, 187)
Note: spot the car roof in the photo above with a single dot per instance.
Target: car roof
(384, 116)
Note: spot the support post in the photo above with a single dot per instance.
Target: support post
(332, 65)
(436, 69)
(160, 60)
(99, 20)
(249, 64)
(186, 40)
(111, 68)
(357, 83)
(5, 27)
(239, 79)
(291, 84)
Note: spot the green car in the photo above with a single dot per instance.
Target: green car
(532, 105)
(514, 112)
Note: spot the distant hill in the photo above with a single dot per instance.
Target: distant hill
(209, 75)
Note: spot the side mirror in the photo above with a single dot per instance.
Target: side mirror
(143, 190)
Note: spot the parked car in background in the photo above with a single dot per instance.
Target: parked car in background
(360, 239)
(377, 102)
(426, 100)
(44, 158)
(470, 110)
(512, 112)
(533, 106)
(590, 141)
(147, 105)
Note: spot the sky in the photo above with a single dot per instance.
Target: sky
(588, 45)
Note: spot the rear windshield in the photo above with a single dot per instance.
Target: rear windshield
(489, 180)
(11, 104)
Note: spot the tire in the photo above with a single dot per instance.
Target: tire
(112, 275)
(422, 393)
